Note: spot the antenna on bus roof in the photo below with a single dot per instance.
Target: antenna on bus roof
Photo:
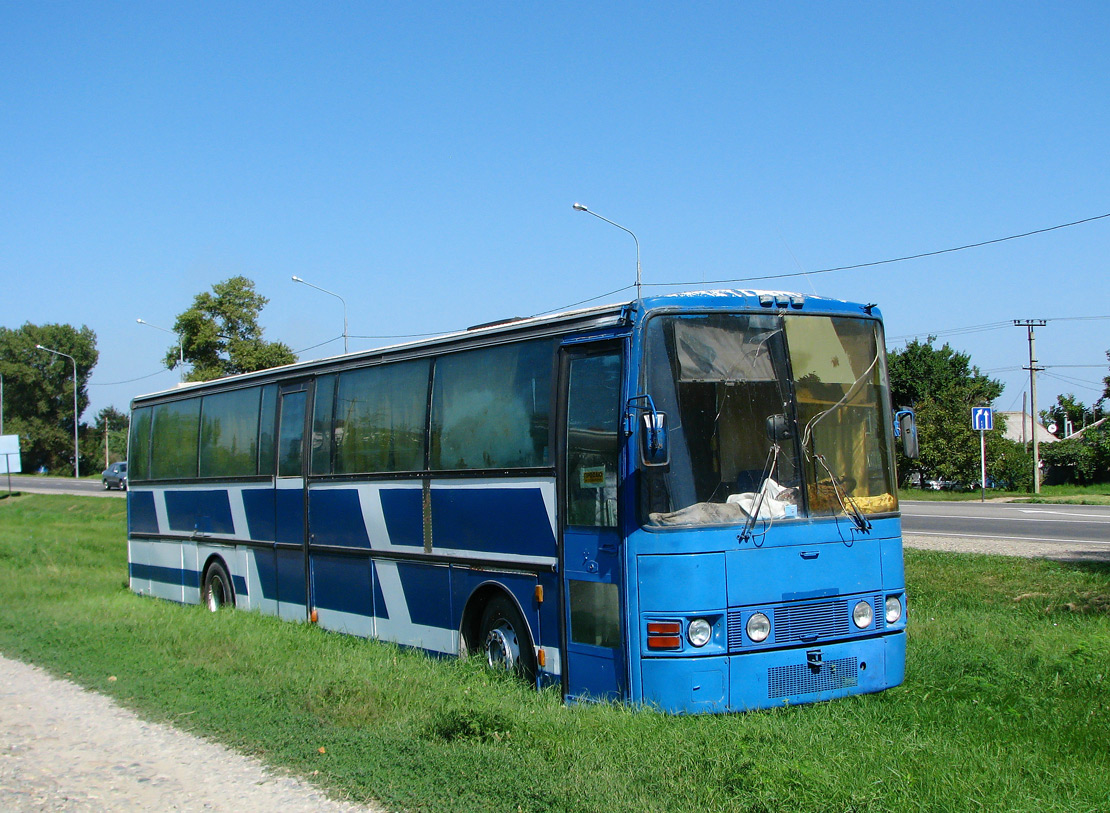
(579, 207)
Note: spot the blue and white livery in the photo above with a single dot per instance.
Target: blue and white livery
(687, 501)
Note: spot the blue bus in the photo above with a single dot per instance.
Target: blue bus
(687, 501)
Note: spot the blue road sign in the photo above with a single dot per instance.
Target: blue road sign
(982, 419)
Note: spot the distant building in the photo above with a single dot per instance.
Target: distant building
(1079, 434)
(1018, 427)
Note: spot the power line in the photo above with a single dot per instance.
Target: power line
(128, 381)
(585, 301)
(956, 331)
(988, 326)
(1078, 382)
(1076, 318)
(321, 344)
(895, 259)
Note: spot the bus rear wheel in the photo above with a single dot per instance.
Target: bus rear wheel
(217, 591)
(504, 641)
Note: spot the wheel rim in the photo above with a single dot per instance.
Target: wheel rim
(217, 596)
(502, 648)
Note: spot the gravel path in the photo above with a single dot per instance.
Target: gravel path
(1073, 552)
(63, 748)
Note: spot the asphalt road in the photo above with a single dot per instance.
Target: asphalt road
(1055, 531)
(57, 485)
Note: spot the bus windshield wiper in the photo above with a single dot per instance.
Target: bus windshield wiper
(768, 472)
(847, 503)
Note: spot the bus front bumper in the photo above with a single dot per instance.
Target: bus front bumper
(758, 680)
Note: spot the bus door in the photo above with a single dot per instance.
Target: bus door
(591, 552)
(289, 501)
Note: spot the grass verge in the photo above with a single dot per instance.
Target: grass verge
(1098, 494)
(1006, 704)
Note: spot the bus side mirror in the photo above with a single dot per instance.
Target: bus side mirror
(654, 449)
(778, 428)
(905, 427)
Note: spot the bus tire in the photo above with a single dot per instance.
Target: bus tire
(504, 641)
(217, 591)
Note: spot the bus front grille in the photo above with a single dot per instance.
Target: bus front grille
(802, 679)
(807, 623)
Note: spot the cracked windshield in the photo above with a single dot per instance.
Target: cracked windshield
(769, 417)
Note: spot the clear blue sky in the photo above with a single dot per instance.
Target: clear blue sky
(421, 160)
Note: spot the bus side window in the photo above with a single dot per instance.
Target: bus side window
(229, 433)
(379, 418)
(266, 430)
(490, 407)
(291, 435)
(593, 440)
(323, 409)
(173, 440)
(139, 450)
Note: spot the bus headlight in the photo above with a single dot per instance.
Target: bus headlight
(893, 609)
(758, 627)
(862, 614)
(699, 632)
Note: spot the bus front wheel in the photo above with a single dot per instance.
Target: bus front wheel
(217, 591)
(504, 640)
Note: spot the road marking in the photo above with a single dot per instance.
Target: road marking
(1005, 538)
(1061, 513)
(972, 518)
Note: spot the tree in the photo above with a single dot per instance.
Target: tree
(221, 336)
(1010, 464)
(110, 433)
(38, 391)
(1069, 411)
(921, 370)
(942, 386)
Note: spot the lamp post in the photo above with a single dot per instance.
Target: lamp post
(76, 448)
(578, 207)
(337, 296)
(180, 343)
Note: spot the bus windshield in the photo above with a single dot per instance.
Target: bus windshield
(769, 417)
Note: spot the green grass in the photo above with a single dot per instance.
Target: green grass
(1098, 494)
(1006, 704)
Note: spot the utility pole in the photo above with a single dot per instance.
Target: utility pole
(1029, 324)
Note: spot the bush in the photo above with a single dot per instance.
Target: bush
(1081, 460)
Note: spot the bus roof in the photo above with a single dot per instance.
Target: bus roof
(595, 317)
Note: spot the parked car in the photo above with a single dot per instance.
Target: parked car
(115, 476)
(939, 485)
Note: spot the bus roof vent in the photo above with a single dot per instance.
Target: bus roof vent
(781, 300)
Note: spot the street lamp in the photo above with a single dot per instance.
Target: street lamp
(337, 296)
(578, 207)
(76, 448)
(180, 343)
